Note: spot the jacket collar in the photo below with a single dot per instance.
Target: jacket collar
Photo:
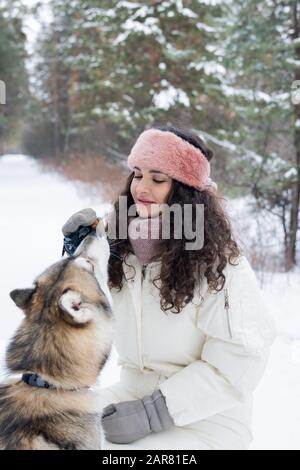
(132, 267)
(133, 272)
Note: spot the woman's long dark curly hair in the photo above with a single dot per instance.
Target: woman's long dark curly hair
(181, 269)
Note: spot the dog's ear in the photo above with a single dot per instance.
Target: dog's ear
(22, 297)
(71, 303)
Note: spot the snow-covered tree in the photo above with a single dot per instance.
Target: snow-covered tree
(131, 64)
(262, 57)
(12, 68)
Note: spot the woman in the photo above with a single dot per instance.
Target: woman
(192, 331)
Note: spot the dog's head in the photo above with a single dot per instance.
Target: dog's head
(67, 331)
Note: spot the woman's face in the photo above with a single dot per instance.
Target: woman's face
(149, 189)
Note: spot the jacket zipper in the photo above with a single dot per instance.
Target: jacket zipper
(142, 279)
(227, 311)
(143, 271)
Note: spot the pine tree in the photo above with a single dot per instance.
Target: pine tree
(12, 68)
(160, 63)
(128, 65)
(262, 54)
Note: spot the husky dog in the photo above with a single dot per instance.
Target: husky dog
(60, 347)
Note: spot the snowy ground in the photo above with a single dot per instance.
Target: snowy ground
(34, 206)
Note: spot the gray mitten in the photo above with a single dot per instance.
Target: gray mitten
(128, 421)
(85, 218)
(77, 227)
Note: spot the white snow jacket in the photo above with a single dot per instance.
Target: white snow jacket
(211, 356)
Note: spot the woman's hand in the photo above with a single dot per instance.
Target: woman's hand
(77, 227)
(128, 421)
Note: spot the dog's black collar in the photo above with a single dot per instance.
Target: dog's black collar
(36, 381)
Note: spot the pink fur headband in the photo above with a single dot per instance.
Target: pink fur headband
(166, 152)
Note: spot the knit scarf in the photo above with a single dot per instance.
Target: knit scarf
(145, 236)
